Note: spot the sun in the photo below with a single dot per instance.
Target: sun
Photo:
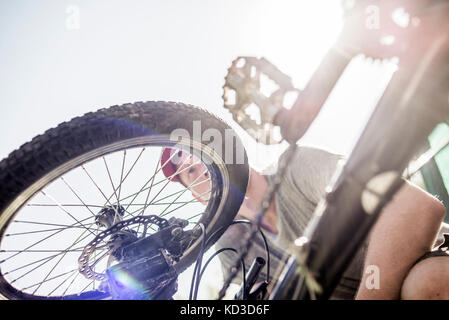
(297, 34)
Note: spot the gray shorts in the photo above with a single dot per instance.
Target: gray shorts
(441, 251)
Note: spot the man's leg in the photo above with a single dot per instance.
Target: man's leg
(405, 231)
(428, 279)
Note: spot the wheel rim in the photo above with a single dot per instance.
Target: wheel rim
(21, 260)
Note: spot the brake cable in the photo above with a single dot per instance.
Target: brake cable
(268, 198)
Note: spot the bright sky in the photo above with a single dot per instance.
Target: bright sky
(53, 68)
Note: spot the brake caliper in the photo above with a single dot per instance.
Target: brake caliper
(144, 264)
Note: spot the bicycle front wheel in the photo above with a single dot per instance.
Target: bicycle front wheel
(53, 187)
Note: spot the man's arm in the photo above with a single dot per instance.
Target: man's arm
(406, 229)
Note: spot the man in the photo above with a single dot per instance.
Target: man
(404, 233)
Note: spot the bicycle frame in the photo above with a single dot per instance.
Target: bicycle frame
(395, 133)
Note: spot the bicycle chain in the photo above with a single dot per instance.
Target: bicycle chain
(268, 197)
(83, 260)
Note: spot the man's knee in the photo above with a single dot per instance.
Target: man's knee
(428, 279)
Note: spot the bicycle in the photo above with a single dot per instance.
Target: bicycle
(373, 172)
(56, 175)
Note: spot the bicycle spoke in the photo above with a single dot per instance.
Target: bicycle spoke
(207, 192)
(34, 269)
(121, 174)
(194, 216)
(36, 231)
(34, 262)
(62, 208)
(170, 195)
(157, 183)
(129, 171)
(57, 263)
(167, 182)
(78, 240)
(177, 192)
(84, 289)
(67, 226)
(29, 264)
(73, 280)
(110, 179)
(152, 178)
(70, 284)
(76, 194)
(149, 190)
(73, 250)
(37, 242)
(96, 185)
(49, 279)
(47, 260)
(59, 285)
(95, 254)
(98, 206)
(64, 205)
(100, 258)
(148, 181)
(187, 188)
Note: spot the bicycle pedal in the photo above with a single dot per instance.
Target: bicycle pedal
(253, 102)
